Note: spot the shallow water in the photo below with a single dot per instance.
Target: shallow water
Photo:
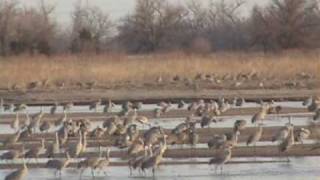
(298, 169)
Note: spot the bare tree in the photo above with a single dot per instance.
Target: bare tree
(8, 10)
(91, 29)
(286, 24)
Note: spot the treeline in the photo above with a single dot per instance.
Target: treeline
(161, 26)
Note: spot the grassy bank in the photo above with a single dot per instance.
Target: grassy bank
(22, 70)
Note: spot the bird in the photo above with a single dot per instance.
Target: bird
(206, 121)
(194, 138)
(282, 133)
(143, 120)
(316, 116)
(301, 134)
(287, 143)
(181, 104)
(95, 105)
(59, 164)
(108, 107)
(217, 141)
(221, 158)
(255, 137)
(36, 120)
(75, 149)
(12, 154)
(54, 108)
(239, 125)
(89, 162)
(67, 106)
(136, 147)
(307, 101)
(137, 105)
(20, 108)
(154, 160)
(261, 115)
(45, 126)
(12, 139)
(104, 162)
(15, 124)
(54, 148)
(34, 152)
(19, 174)
(157, 112)
(84, 142)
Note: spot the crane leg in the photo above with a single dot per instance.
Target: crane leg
(153, 172)
(92, 173)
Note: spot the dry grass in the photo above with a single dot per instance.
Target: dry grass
(118, 68)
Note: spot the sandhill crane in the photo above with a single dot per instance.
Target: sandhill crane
(19, 174)
(239, 125)
(301, 134)
(54, 108)
(137, 105)
(136, 147)
(154, 161)
(89, 162)
(61, 120)
(194, 138)
(12, 139)
(111, 127)
(217, 141)
(136, 161)
(63, 135)
(314, 105)
(108, 107)
(261, 115)
(180, 128)
(58, 164)
(20, 108)
(97, 132)
(45, 126)
(181, 104)
(104, 162)
(240, 102)
(206, 121)
(143, 120)
(316, 116)
(84, 142)
(8, 107)
(157, 112)
(307, 101)
(232, 138)
(54, 148)
(34, 152)
(152, 135)
(67, 106)
(15, 124)
(36, 120)
(282, 133)
(287, 143)
(132, 132)
(127, 106)
(255, 137)
(12, 154)
(95, 105)
(75, 150)
(221, 159)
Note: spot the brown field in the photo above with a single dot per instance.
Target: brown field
(115, 68)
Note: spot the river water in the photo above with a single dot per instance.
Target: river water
(299, 168)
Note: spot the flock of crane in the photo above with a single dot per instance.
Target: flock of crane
(145, 149)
